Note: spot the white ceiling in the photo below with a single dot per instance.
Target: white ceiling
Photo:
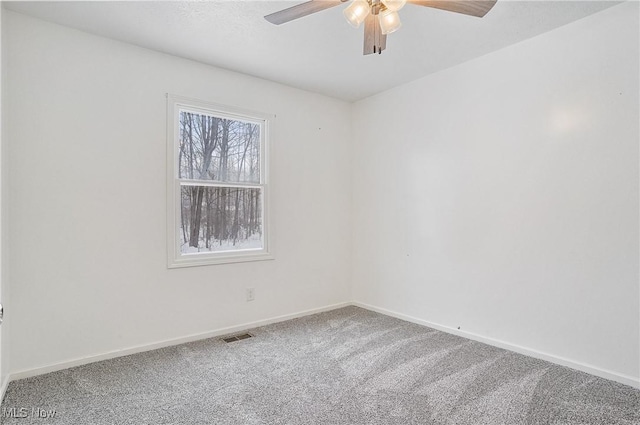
(321, 52)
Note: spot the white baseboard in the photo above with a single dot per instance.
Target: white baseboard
(3, 387)
(167, 343)
(593, 370)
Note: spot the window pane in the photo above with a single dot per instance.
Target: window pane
(220, 219)
(220, 149)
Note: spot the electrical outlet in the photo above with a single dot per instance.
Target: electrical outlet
(251, 294)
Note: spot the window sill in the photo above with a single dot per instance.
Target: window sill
(194, 260)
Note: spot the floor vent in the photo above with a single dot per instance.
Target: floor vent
(236, 337)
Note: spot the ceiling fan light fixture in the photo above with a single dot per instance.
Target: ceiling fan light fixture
(389, 22)
(380, 17)
(356, 12)
(394, 5)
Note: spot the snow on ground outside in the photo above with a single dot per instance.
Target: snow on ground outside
(252, 242)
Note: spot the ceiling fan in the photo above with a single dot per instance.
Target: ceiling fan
(380, 17)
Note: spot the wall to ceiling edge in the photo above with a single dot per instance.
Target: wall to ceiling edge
(87, 141)
(501, 196)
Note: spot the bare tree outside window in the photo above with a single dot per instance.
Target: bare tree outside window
(220, 184)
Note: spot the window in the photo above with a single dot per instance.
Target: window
(217, 184)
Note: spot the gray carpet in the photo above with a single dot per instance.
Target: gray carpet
(348, 366)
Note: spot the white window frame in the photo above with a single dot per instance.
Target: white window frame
(176, 259)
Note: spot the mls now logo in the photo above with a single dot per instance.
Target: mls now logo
(23, 412)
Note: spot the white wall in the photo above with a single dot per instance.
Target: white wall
(501, 195)
(86, 129)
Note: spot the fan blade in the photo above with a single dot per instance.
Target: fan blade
(477, 8)
(300, 10)
(374, 40)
